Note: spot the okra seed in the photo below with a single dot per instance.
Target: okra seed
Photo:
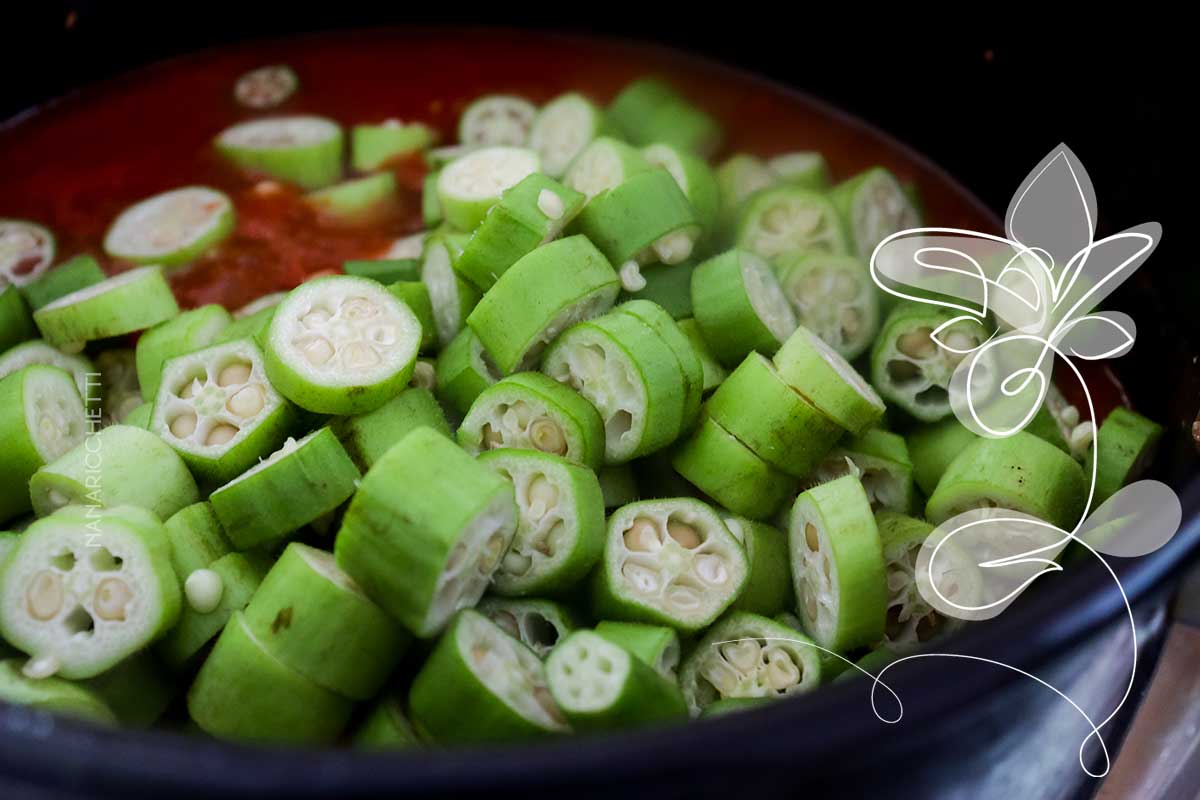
(457, 555)
(711, 569)
(851, 321)
(184, 425)
(958, 340)
(58, 499)
(315, 318)
(642, 536)
(492, 438)
(810, 603)
(916, 343)
(41, 668)
(776, 220)
(247, 402)
(845, 288)
(190, 389)
(721, 676)
(507, 622)
(234, 375)
(782, 672)
(550, 204)
(45, 596)
(542, 495)
(493, 550)
(360, 356)
(424, 376)
(547, 436)
(111, 600)
(358, 308)
(811, 537)
(743, 655)
(685, 535)
(382, 335)
(517, 563)
(203, 589)
(317, 350)
(684, 597)
(643, 579)
(221, 434)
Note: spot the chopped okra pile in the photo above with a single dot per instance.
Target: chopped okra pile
(627, 435)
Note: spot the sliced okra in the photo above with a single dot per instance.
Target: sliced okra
(618, 485)
(55, 695)
(356, 201)
(70, 276)
(837, 566)
(668, 285)
(1126, 442)
(806, 168)
(530, 214)
(715, 462)
(496, 120)
(536, 623)
(242, 692)
(373, 146)
(415, 295)
(26, 251)
(37, 351)
(171, 228)
(769, 586)
(385, 728)
(738, 178)
(739, 306)
(119, 465)
(657, 319)
(119, 387)
(341, 345)
(912, 370)
(880, 461)
(600, 686)
(314, 618)
(537, 298)
(746, 655)
(190, 331)
(426, 531)
(218, 410)
(41, 418)
(85, 588)
(873, 206)
(464, 370)
(714, 373)
(560, 522)
(669, 562)
(477, 666)
(931, 448)
(695, 178)
(138, 690)
(771, 418)
(529, 411)
(630, 375)
(645, 218)
(563, 128)
(790, 219)
(833, 296)
(387, 270)
(815, 370)
(131, 301)
(469, 186)
(606, 162)
(1020, 472)
(452, 297)
(431, 206)
(266, 87)
(16, 325)
(197, 538)
(225, 587)
(649, 110)
(304, 150)
(368, 436)
(656, 646)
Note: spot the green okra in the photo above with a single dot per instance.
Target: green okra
(26, 251)
(469, 186)
(837, 566)
(748, 656)
(131, 301)
(196, 537)
(560, 522)
(386, 270)
(36, 351)
(873, 205)
(827, 380)
(833, 296)
(714, 373)
(695, 178)
(138, 690)
(426, 530)
(537, 623)
(368, 436)
(385, 728)
(563, 128)
(739, 306)
(117, 466)
(304, 150)
(172, 228)
(660, 321)
(496, 119)
(618, 485)
(266, 87)
(668, 562)
(769, 585)
(649, 110)
(140, 417)
(790, 219)
(70, 276)
(1126, 443)
(1044, 426)
(119, 389)
(431, 206)
(253, 326)
(85, 588)
(738, 178)
(605, 163)
(16, 325)
(452, 297)
(529, 411)
(668, 285)
(356, 201)
(374, 146)
(657, 646)
(190, 331)
(645, 218)
(464, 370)
(476, 665)
(931, 448)
(715, 462)
(51, 694)
(415, 295)
(806, 168)
(880, 461)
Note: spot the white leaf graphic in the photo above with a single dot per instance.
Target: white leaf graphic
(1094, 274)
(945, 267)
(1106, 334)
(1054, 209)
(1135, 521)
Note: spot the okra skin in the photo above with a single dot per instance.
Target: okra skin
(415, 295)
(357, 201)
(368, 436)
(828, 382)
(769, 585)
(649, 110)
(138, 690)
(714, 372)
(627, 219)
(70, 276)
(54, 695)
(385, 270)
(197, 538)
(716, 463)
(724, 307)
(386, 728)
(373, 146)
(304, 150)
(535, 622)
(16, 325)
(131, 301)
(667, 285)
(464, 370)
(656, 646)
(618, 485)
(1126, 443)
(190, 331)
(659, 320)
(931, 448)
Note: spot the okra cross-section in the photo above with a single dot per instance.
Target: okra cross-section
(451, 296)
(669, 562)
(171, 228)
(464, 370)
(880, 461)
(873, 206)
(561, 130)
(368, 436)
(341, 345)
(815, 370)
(131, 301)
(496, 119)
(69, 276)
(85, 588)
(16, 325)
(790, 219)
(645, 218)
(604, 163)
(26, 251)
(304, 150)
(834, 297)
(218, 410)
(469, 186)
(739, 307)
(537, 623)
(190, 331)
(426, 530)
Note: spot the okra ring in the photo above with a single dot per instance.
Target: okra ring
(496, 119)
(464, 370)
(131, 301)
(304, 150)
(606, 162)
(70, 276)
(1126, 443)
(880, 461)
(26, 251)
(833, 296)
(739, 307)
(645, 218)
(562, 128)
(537, 623)
(171, 228)
(190, 331)
(873, 205)
(51, 694)
(658, 320)
(469, 186)
(769, 586)
(827, 380)
(790, 219)
(368, 436)
(375, 146)
(16, 325)
(657, 646)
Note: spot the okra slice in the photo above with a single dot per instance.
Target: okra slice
(119, 465)
(197, 538)
(1020, 472)
(645, 218)
(668, 562)
(314, 618)
(833, 296)
(341, 345)
(739, 177)
(70, 276)
(806, 168)
(606, 162)
(715, 462)
(452, 297)
(529, 411)
(649, 110)
(415, 295)
(477, 666)
(368, 436)
(873, 206)
(266, 87)
(560, 522)
(771, 418)
(431, 206)
(373, 146)
(630, 375)
(537, 623)
(880, 461)
(304, 150)
(84, 588)
(562, 128)
(387, 271)
(1127, 442)
(600, 686)
(714, 373)
(218, 410)
(253, 327)
(26, 251)
(242, 692)
(695, 178)
(656, 646)
(16, 325)
(356, 201)
(748, 656)
(496, 119)
(128, 302)
(190, 331)
(739, 306)
(529, 214)
(386, 728)
(218, 591)
(618, 485)
(815, 370)
(464, 370)
(41, 418)
(790, 219)
(426, 531)
(657, 319)
(540, 296)
(769, 586)
(668, 285)
(55, 695)
(932, 447)
(36, 351)
(469, 186)
(171, 228)
(913, 371)
(837, 566)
